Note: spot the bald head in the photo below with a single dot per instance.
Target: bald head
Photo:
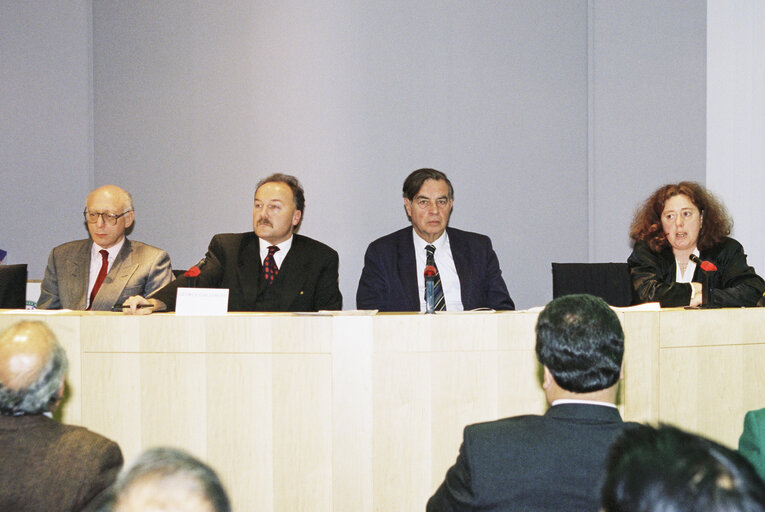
(109, 212)
(120, 197)
(32, 368)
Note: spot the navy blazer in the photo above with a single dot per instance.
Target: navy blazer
(307, 279)
(389, 278)
(553, 463)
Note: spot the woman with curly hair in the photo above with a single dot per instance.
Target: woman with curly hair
(677, 221)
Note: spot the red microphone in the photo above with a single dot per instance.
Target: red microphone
(430, 270)
(707, 266)
(430, 288)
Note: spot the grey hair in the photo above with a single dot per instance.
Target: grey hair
(166, 467)
(42, 394)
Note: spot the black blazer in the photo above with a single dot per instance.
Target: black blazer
(389, 278)
(544, 463)
(307, 279)
(734, 284)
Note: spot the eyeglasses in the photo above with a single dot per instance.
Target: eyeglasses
(109, 218)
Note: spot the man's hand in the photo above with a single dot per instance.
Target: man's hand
(137, 305)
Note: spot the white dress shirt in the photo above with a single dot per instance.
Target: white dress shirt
(450, 281)
(279, 255)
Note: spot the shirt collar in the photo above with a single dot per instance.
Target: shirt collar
(562, 401)
(113, 251)
(420, 244)
(284, 247)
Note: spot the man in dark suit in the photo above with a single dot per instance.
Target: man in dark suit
(468, 273)
(106, 268)
(272, 269)
(45, 465)
(553, 462)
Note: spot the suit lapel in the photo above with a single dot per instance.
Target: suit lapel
(462, 262)
(78, 268)
(407, 269)
(117, 278)
(295, 267)
(249, 268)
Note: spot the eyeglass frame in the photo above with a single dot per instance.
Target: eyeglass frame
(108, 218)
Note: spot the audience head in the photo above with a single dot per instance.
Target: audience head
(32, 369)
(428, 201)
(581, 343)
(169, 480)
(667, 470)
(708, 221)
(108, 214)
(278, 208)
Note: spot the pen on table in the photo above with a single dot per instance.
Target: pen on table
(117, 307)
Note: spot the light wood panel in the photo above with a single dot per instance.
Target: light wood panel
(319, 413)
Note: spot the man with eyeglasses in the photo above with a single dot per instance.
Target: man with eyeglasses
(107, 268)
(467, 269)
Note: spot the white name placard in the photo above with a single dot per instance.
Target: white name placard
(201, 301)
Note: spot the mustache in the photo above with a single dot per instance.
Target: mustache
(264, 222)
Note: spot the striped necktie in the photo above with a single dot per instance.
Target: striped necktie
(438, 290)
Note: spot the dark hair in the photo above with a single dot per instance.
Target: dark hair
(646, 224)
(42, 394)
(668, 470)
(413, 182)
(292, 182)
(581, 342)
(166, 468)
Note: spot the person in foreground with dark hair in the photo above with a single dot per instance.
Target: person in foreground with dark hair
(168, 480)
(270, 268)
(466, 266)
(45, 465)
(667, 470)
(678, 221)
(553, 462)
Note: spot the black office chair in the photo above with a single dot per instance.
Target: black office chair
(13, 286)
(609, 281)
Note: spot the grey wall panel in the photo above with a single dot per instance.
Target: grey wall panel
(193, 103)
(45, 132)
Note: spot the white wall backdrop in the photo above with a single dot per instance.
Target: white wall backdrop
(553, 119)
(736, 118)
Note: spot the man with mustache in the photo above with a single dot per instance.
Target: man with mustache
(268, 269)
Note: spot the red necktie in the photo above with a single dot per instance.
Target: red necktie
(101, 276)
(270, 270)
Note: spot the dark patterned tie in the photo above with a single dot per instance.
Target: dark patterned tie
(101, 276)
(270, 270)
(438, 290)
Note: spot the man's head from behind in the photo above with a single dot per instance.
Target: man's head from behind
(581, 343)
(32, 369)
(169, 480)
(668, 470)
(108, 214)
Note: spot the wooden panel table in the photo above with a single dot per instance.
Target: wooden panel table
(363, 413)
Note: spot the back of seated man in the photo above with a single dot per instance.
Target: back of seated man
(168, 480)
(552, 462)
(665, 470)
(751, 444)
(45, 465)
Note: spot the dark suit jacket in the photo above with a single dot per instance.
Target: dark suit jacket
(734, 284)
(138, 269)
(50, 466)
(550, 463)
(389, 278)
(752, 442)
(307, 279)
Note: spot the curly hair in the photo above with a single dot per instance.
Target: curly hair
(646, 224)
